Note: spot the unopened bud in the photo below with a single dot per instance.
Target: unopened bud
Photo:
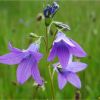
(34, 35)
(77, 95)
(62, 26)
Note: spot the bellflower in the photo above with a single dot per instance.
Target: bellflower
(27, 61)
(63, 47)
(69, 74)
(50, 10)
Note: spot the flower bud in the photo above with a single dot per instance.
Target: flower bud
(49, 12)
(34, 35)
(62, 26)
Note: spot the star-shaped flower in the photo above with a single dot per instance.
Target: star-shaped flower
(69, 74)
(27, 61)
(62, 47)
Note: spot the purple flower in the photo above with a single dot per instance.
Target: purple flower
(63, 47)
(27, 60)
(69, 74)
(50, 11)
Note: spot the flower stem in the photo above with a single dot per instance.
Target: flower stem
(35, 91)
(52, 86)
(47, 51)
(47, 39)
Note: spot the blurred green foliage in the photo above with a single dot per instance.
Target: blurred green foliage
(18, 19)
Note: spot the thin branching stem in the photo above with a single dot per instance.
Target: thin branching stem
(46, 39)
(50, 75)
(52, 86)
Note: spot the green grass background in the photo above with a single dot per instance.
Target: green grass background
(18, 19)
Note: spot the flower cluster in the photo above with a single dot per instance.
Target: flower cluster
(63, 47)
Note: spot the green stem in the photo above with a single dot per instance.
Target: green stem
(47, 39)
(47, 51)
(52, 86)
(53, 37)
(35, 92)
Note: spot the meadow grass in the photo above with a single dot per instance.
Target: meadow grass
(18, 19)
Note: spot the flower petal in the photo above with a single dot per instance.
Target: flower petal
(38, 56)
(52, 53)
(24, 70)
(76, 66)
(62, 37)
(63, 56)
(12, 49)
(70, 59)
(12, 58)
(61, 81)
(36, 74)
(77, 50)
(33, 47)
(74, 80)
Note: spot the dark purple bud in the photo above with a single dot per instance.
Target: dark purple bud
(50, 10)
(47, 11)
(55, 7)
